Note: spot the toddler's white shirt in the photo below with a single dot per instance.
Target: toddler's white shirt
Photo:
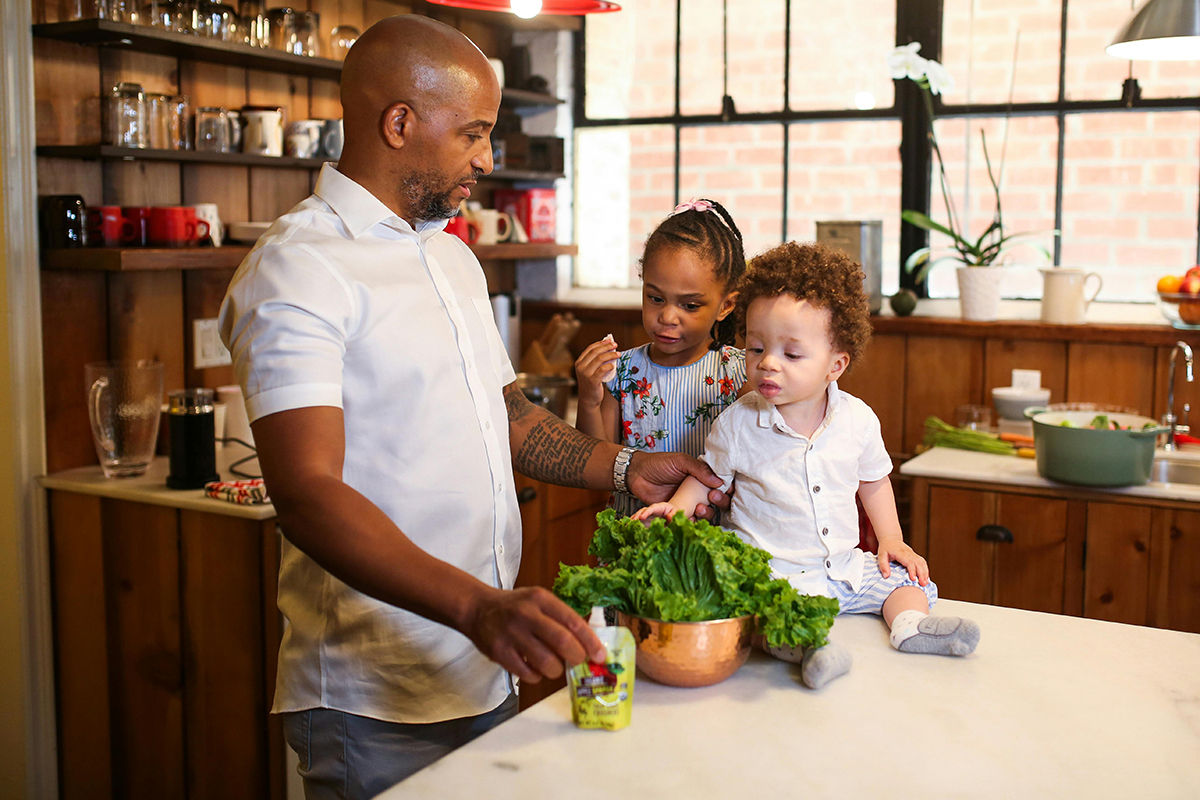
(795, 496)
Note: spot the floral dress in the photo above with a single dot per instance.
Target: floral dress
(670, 409)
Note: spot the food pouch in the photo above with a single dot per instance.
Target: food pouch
(602, 694)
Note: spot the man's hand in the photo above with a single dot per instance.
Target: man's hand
(892, 549)
(654, 477)
(530, 632)
(717, 500)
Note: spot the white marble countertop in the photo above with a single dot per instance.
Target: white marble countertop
(1048, 707)
(968, 465)
(152, 487)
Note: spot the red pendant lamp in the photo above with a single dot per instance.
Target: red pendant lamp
(531, 8)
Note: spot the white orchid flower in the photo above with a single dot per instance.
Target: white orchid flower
(939, 79)
(905, 63)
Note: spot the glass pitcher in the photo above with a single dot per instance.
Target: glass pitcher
(124, 406)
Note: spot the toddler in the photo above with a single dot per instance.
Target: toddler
(664, 396)
(800, 449)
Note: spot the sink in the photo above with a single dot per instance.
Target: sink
(1167, 470)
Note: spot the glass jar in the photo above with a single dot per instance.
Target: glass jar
(218, 20)
(308, 34)
(281, 23)
(252, 15)
(118, 10)
(341, 40)
(212, 130)
(177, 126)
(158, 121)
(127, 116)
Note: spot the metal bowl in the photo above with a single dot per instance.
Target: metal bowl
(551, 392)
(690, 653)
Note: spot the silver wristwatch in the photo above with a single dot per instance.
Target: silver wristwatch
(620, 467)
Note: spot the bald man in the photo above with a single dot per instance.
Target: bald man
(388, 423)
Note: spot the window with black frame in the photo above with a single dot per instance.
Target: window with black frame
(817, 129)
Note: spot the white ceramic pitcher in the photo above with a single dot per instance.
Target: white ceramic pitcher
(1063, 295)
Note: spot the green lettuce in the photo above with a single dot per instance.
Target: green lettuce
(684, 571)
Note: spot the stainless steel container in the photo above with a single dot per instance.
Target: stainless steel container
(551, 392)
(862, 240)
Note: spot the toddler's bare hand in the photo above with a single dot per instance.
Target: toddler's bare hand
(654, 511)
(595, 365)
(905, 556)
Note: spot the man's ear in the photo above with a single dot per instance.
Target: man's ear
(397, 124)
(840, 362)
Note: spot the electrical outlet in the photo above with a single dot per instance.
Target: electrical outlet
(208, 350)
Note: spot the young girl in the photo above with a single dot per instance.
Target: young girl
(664, 396)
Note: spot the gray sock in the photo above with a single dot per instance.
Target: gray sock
(823, 664)
(946, 636)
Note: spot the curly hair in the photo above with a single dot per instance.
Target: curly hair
(715, 236)
(825, 277)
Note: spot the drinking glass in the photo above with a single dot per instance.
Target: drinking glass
(177, 123)
(253, 19)
(212, 130)
(124, 406)
(282, 27)
(158, 121)
(308, 34)
(972, 417)
(127, 116)
(219, 21)
(341, 40)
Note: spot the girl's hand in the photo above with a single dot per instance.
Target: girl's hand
(594, 366)
(654, 511)
(896, 550)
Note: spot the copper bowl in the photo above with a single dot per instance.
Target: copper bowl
(690, 653)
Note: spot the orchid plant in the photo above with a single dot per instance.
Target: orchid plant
(932, 78)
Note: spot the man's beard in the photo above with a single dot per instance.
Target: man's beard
(425, 200)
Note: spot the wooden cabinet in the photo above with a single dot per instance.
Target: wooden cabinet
(1071, 551)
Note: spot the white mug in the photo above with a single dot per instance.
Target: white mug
(262, 131)
(210, 214)
(1063, 300)
(494, 226)
(304, 138)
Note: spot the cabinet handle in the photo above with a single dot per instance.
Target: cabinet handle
(994, 533)
(526, 494)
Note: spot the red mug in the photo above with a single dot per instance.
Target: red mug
(106, 226)
(137, 226)
(176, 226)
(467, 231)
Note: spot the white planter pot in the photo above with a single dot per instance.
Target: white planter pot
(979, 292)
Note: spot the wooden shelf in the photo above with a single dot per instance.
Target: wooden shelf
(519, 98)
(106, 152)
(151, 40)
(507, 251)
(134, 259)
(131, 259)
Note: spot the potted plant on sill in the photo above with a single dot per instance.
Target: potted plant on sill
(980, 261)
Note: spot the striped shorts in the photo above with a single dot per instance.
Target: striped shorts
(876, 589)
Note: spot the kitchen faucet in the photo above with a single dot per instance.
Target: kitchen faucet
(1169, 418)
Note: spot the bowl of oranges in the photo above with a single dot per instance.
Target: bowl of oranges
(1179, 299)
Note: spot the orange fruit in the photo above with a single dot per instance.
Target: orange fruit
(1189, 312)
(1169, 284)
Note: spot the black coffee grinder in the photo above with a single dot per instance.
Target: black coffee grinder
(191, 424)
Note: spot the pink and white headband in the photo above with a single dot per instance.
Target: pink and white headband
(699, 205)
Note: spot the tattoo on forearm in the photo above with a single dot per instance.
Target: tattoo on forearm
(555, 452)
(517, 404)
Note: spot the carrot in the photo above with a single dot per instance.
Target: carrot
(1017, 439)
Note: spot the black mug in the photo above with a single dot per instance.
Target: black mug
(64, 221)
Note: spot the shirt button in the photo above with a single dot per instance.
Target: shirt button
(828, 563)
(470, 364)
(825, 531)
(501, 549)
(499, 487)
(816, 489)
(487, 426)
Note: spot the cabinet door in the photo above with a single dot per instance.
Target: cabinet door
(1175, 579)
(959, 563)
(941, 374)
(1029, 570)
(1117, 569)
(531, 498)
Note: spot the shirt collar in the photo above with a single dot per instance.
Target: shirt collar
(769, 416)
(360, 210)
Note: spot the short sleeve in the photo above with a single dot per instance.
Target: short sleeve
(720, 448)
(286, 319)
(874, 462)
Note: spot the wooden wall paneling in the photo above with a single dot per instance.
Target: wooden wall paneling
(273, 192)
(960, 564)
(45, 11)
(941, 373)
(1116, 578)
(156, 74)
(145, 313)
(141, 555)
(74, 333)
(203, 290)
(225, 707)
(212, 84)
(67, 90)
(272, 626)
(1030, 571)
(289, 92)
(142, 183)
(875, 380)
(486, 36)
(228, 187)
(71, 176)
(375, 10)
(81, 647)
(1185, 393)
(1111, 373)
(325, 101)
(1002, 356)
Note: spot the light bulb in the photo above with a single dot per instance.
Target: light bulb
(526, 9)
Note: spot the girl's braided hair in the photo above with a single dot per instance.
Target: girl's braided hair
(715, 236)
